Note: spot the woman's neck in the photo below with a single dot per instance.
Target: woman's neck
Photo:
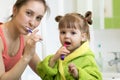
(11, 30)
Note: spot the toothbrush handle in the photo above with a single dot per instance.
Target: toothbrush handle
(30, 31)
(62, 57)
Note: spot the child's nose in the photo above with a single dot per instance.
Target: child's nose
(67, 35)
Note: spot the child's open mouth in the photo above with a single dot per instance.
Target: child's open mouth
(67, 43)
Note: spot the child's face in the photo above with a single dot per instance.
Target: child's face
(71, 37)
(28, 16)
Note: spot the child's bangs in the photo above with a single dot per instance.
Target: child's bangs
(68, 24)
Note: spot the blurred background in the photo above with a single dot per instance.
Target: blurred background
(104, 31)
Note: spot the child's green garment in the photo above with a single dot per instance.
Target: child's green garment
(82, 57)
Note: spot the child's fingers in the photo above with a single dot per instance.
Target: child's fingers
(71, 67)
(66, 51)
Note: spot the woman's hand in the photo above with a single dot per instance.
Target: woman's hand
(73, 70)
(29, 49)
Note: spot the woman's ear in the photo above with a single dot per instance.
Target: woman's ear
(84, 36)
(14, 11)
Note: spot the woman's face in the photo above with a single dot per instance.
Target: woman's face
(28, 16)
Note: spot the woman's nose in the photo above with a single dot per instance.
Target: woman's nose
(32, 23)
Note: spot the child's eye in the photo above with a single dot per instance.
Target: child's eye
(62, 32)
(73, 33)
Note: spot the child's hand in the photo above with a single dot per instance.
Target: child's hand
(73, 70)
(63, 50)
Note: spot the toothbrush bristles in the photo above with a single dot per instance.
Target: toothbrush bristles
(29, 30)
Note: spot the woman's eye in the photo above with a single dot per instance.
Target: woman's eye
(29, 13)
(38, 18)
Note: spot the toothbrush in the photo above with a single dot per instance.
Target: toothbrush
(29, 30)
(63, 56)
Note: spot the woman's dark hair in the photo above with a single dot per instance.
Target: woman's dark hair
(19, 3)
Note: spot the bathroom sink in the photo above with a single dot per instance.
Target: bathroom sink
(111, 76)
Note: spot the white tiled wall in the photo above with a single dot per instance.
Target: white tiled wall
(109, 40)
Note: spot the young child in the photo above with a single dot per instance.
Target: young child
(79, 62)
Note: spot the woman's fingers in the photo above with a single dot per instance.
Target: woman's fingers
(35, 37)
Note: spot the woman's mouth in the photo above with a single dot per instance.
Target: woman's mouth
(29, 30)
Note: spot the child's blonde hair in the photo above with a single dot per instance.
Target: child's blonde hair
(75, 20)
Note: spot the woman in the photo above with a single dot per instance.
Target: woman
(17, 50)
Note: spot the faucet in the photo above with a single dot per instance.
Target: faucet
(115, 61)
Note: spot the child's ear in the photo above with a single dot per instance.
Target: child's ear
(84, 36)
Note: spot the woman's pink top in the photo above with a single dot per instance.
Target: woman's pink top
(9, 62)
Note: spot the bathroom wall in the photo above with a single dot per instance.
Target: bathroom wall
(106, 43)
(5, 9)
